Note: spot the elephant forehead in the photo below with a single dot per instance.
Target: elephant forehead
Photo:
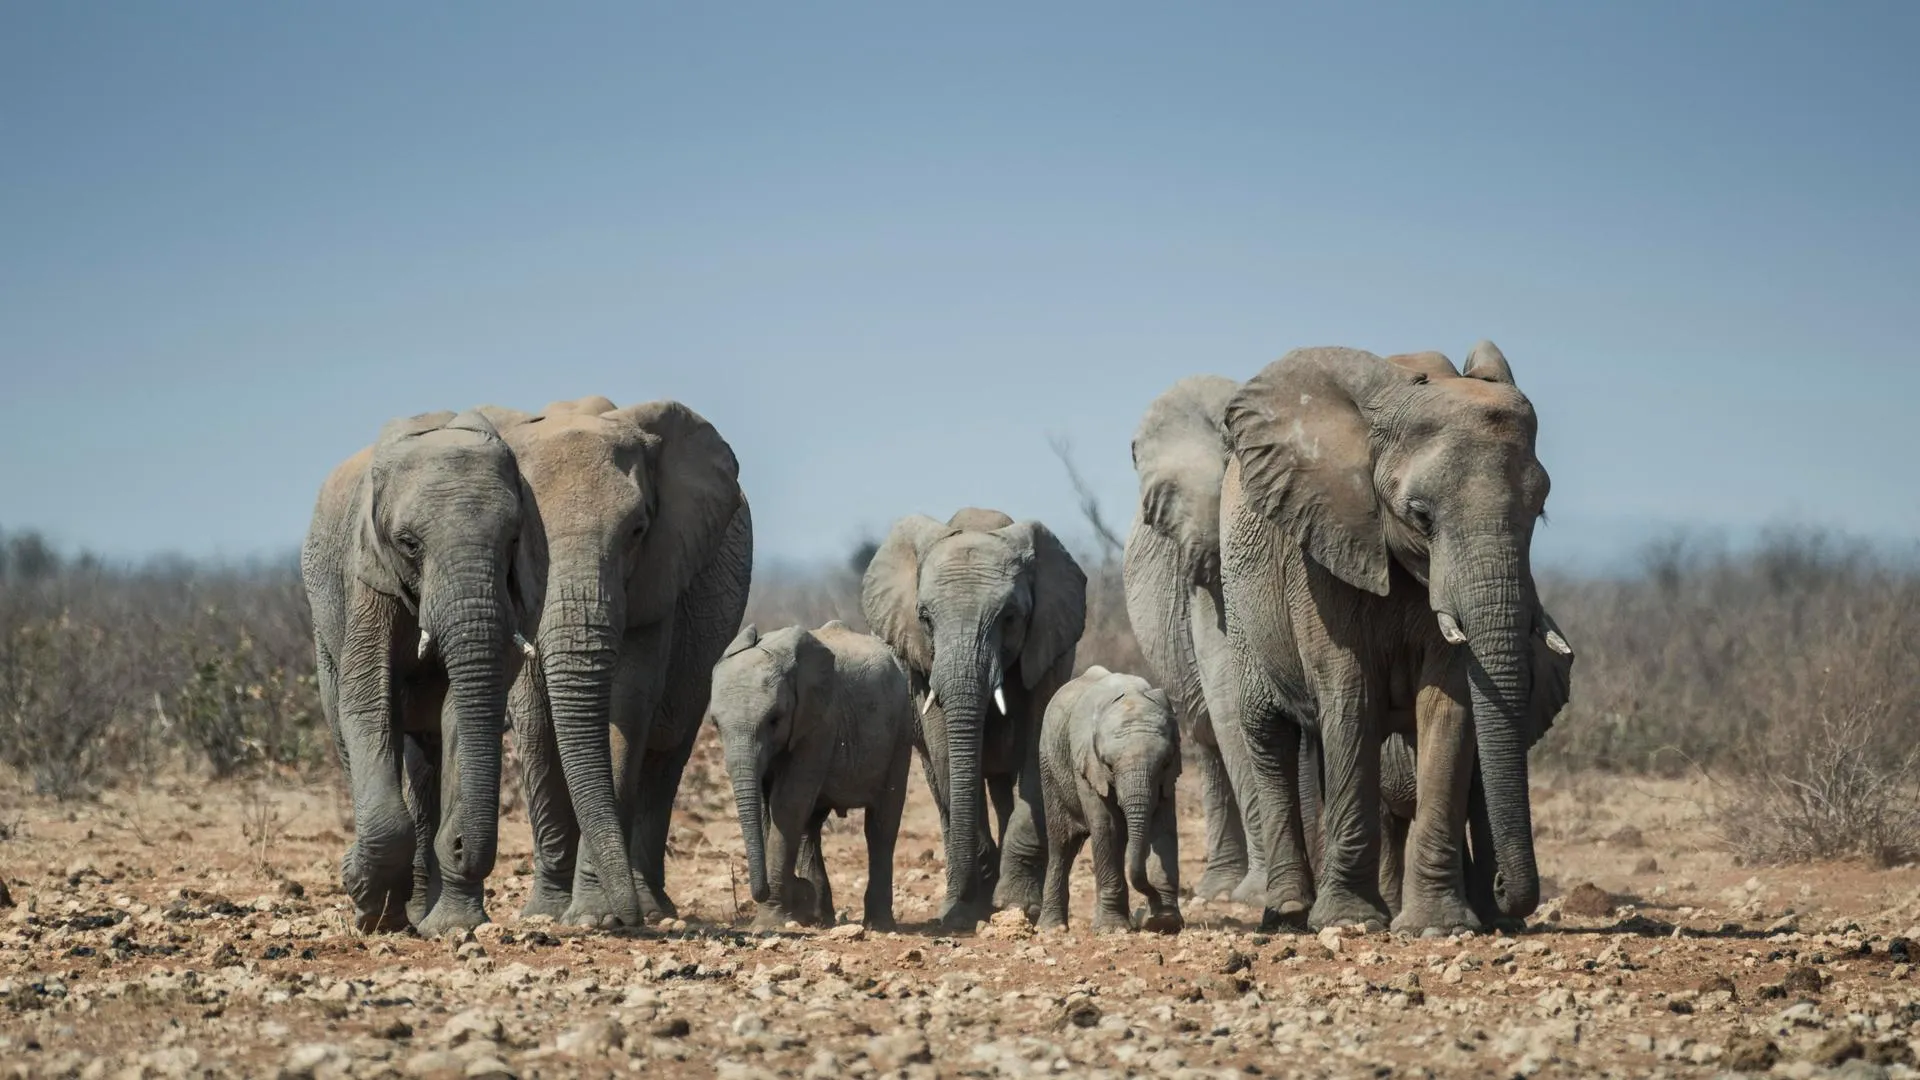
(972, 552)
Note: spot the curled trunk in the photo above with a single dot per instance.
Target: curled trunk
(1500, 672)
(579, 643)
(475, 637)
(963, 682)
(1136, 804)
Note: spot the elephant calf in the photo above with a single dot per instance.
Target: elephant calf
(813, 722)
(1109, 756)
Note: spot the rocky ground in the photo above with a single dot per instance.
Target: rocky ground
(188, 930)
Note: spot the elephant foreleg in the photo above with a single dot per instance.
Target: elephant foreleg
(556, 832)
(1163, 872)
(1273, 749)
(423, 805)
(1434, 894)
(1349, 880)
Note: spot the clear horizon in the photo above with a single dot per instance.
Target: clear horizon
(862, 239)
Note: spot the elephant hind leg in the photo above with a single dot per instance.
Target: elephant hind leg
(1226, 836)
(419, 787)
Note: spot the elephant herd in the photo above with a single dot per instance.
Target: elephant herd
(1328, 574)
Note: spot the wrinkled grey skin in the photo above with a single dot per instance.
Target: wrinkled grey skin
(407, 565)
(978, 603)
(1366, 502)
(1399, 769)
(636, 575)
(813, 722)
(1178, 614)
(1109, 759)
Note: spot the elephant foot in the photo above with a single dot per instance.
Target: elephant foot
(1290, 916)
(455, 911)
(1017, 893)
(1225, 880)
(1111, 922)
(1337, 906)
(881, 924)
(551, 901)
(1437, 916)
(656, 906)
(1163, 922)
(961, 916)
(770, 917)
(378, 907)
(1051, 920)
(1252, 888)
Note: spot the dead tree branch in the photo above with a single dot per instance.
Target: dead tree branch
(1110, 543)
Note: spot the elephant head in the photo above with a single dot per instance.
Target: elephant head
(631, 502)
(1180, 452)
(438, 526)
(1366, 462)
(768, 693)
(1134, 759)
(979, 608)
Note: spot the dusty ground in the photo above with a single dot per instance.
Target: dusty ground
(184, 930)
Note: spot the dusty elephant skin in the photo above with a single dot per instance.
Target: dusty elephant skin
(635, 577)
(813, 722)
(1179, 617)
(1109, 760)
(406, 567)
(1376, 524)
(986, 613)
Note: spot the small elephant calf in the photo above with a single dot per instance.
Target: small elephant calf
(1109, 756)
(813, 722)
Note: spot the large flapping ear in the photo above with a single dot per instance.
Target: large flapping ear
(374, 561)
(1302, 433)
(1059, 613)
(693, 490)
(1434, 365)
(1488, 363)
(1552, 675)
(744, 640)
(890, 589)
(1182, 442)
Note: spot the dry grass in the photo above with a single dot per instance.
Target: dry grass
(1786, 672)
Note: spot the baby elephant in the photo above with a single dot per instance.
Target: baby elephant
(813, 722)
(1109, 755)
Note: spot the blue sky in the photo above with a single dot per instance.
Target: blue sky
(891, 248)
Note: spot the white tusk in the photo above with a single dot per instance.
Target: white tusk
(1000, 701)
(1450, 630)
(426, 643)
(926, 703)
(526, 647)
(1558, 644)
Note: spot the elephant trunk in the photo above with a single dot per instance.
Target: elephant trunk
(473, 632)
(1497, 608)
(579, 641)
(963, 679)
(743, 766)
(1135, 789)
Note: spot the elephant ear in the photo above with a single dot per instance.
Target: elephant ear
(1487, 363)
(1181, 444)
(746, 639)
(374, 561)
(1433, 365)
(1552, 677)
(693, 491)
(1302, 433)
(814, 685)
(502, 417)
(890, 589)
(1059, 613)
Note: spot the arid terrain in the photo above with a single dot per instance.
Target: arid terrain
(186, 929)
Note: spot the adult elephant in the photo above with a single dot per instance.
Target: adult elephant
(408, 568)
(636, 579)
(1377, 519)
(986, 613)
(1174, 602)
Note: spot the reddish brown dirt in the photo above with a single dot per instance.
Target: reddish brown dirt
(185, 930)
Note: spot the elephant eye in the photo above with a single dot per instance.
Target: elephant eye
(408, 544)
(926, 617)
(1421, 514)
